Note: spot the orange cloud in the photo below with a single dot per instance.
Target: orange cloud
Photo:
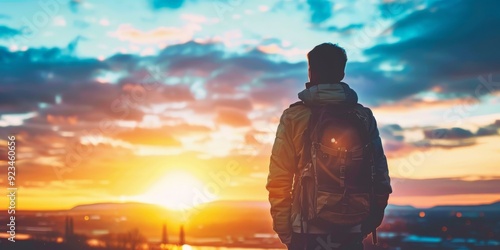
(127, 32)
(161, 94)
(276, 49)
(233, 118)
(151, 137)
(415, 103)
(54, 119)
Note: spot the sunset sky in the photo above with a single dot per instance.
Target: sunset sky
(177, 102)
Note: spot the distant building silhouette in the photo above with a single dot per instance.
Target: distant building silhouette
(69, 229)
(164, 239)
(181, 236)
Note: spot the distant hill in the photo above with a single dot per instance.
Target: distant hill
(492, 208)
(400, 207)
(214, 220)
(115, 206)
(236, 207)
(485, 207)
(261, 206)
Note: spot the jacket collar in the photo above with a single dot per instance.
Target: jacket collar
(328, 93)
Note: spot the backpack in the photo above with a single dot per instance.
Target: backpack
(336, 181)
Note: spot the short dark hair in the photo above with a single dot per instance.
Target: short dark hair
(327, 63)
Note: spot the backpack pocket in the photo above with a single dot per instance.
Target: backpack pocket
(308, 193)
(350, 211)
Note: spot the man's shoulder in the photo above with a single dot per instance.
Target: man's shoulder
(296, 110)
(363, 109)
(296, 107)
(368, 118)
(298, 103)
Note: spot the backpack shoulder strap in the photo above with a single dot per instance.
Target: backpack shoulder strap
(307, 135)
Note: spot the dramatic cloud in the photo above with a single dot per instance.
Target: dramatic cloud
(211, 105)
(162, 34)
(74, 5)
(225, 81)
(168, 4)
(232, 117)
(486, 131)
(321, 10)
(395, 8)
(279, 90)
(75, 94)
(491, 129)
(173, 93)
(346, 30)
(448, 53)
(46, 66)
(393, 139)
(186, 129)
(425, 138)
(232, 74)
(392, 132)
(24, 98)
(6, 32)
(453, 133)
(433, 102)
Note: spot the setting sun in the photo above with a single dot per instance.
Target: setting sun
(176, 190)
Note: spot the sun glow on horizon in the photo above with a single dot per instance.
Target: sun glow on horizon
(177, 190)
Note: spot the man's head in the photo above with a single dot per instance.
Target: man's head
(326, 63)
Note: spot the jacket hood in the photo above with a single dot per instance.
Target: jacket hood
(329, 93)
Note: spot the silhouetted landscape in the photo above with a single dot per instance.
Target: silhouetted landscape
(240, 224)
